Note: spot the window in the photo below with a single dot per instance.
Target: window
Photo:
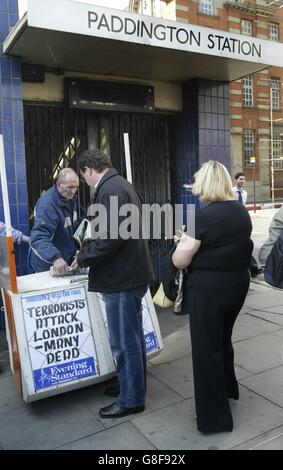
(275, 86)
(248, 90)
(277, 152)
(273, 32)
(247, 27)
(248, 145)
(206, 7)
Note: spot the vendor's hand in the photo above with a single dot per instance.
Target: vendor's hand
(25, 239)
(60, 265)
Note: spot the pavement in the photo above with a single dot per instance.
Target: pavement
(71, 421)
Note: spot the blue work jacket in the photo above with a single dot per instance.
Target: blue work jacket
(56, 220)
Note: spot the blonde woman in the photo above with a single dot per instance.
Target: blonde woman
(217, 259)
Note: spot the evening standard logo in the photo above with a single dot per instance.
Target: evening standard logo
(151, 342)
(57, 374)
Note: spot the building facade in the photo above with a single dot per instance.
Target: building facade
(256, 100)
(79, 80)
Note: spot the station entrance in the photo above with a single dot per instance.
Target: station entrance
(55, 136)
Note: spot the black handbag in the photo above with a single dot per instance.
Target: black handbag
(168, 273)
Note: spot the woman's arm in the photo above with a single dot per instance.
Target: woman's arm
(186, 249)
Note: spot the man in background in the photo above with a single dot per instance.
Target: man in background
(18, 236)
(242, 195)
(275, 229)
(238, 189)
(56, 220)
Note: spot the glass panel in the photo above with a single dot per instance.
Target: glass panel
(248, 91)
(248, 144)
(277, 152)
(273, 32)
(206, 7)
(247, 27)
(275, 85)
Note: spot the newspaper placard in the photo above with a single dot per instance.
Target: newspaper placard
(59, 337)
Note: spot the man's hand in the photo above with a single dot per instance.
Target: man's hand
(60, 266)
(74, 266)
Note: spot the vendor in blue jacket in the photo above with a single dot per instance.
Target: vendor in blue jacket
(56, 220)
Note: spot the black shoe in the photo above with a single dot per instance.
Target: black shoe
(216, 430)
(118, 411)
(256, 272)
(180, 313)
(112, 391)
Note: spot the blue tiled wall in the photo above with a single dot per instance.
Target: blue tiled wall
(12, 128)
(214, 122)
(202, 131)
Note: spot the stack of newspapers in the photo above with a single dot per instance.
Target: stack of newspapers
(71, 272)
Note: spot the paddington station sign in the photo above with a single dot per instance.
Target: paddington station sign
(87, 19)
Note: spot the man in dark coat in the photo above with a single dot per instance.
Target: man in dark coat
(120, 269)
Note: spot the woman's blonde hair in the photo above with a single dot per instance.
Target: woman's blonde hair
(213, 183)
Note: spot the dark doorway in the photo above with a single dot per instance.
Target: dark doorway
(55, 136)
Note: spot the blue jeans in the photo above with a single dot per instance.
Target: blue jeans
(124, 317)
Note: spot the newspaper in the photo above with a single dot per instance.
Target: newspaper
(70, 272)
(83, 233)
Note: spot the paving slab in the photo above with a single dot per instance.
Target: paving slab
(252, 414)
(259, 353)
(177, 345)
(169, 322)
(124, 436)
(177, 375)
(158, 396)
(9, 397)
(279, 333)
(242, 373)
(244, 310)
(248, 326)
(272, 440)
(258, 287)
(263, 300)
(272, 315)
(268, 384)
(47, 424)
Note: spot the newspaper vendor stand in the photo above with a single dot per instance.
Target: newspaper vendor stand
(56, 329)
(61, 335)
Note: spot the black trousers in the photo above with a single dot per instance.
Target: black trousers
(214, 304)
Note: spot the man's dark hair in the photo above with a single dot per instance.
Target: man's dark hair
(237, 175)
(94, 159)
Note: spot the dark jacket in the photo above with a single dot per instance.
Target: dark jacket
(273, 271)
(56, 220)
(116, 264)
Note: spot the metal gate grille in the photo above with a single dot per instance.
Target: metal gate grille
(52, 138)
(55, 136)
